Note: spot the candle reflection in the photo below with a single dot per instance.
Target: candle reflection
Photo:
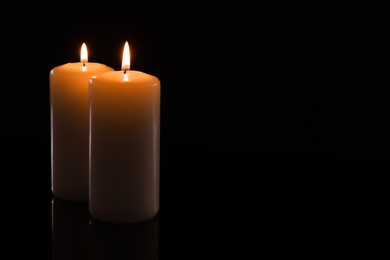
(76, 235)
(69, 230)
(138, 241)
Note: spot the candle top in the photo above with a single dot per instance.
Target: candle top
(77, 67)
(128, 76)
(82, 66)
(125, 76)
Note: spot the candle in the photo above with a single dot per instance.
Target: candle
(124, 144)
(69, 127)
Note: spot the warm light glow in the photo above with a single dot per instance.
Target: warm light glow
(84, 53)
(126, 57)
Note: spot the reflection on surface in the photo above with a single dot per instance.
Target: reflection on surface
(139, 241)
(69, 230)
(76, 235)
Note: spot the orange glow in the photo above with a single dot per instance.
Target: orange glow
(126, 57)
(84, 53)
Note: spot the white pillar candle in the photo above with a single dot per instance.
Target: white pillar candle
(69, 126)
(124, 144)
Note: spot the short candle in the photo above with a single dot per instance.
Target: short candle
(70, 126)
(124, 144)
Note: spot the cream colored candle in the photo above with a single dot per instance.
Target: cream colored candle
(69, 127)
(124, 144)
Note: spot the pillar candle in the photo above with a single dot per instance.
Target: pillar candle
(124, 144)
(69, 126)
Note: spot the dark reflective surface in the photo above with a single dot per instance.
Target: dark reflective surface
(133, 241)
(69, 230)
(214, 204)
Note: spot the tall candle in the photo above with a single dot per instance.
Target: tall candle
(124, 144)
(69, 126)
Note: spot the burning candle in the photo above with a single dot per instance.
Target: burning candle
(69, 126)
(124, 144)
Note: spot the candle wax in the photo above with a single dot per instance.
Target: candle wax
(70, 128)
(124, 146)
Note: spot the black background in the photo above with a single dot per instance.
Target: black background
(274, 123)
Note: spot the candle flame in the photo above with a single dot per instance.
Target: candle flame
(126, 57)
(84, 53)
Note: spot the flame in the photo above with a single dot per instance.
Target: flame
(84, 53)
(126, 57)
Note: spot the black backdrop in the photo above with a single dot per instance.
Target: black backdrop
(274, 121)
(306, 76)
